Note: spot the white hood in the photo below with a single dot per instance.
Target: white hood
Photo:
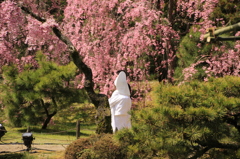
(121, 88)
(121, 84)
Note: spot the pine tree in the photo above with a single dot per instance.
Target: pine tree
(194, 120)
(36, 94)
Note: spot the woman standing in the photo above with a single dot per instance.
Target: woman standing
(120, 103)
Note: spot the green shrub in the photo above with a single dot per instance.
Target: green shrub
(77, 146)
(95, 147)
(105, 147)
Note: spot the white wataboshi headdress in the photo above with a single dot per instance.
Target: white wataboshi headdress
(122, 88)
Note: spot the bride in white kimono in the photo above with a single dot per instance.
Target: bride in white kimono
(120, 103)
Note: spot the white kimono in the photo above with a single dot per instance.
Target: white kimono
(120, 104)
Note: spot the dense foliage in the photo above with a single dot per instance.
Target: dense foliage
(194, 120)
(36, 94)
(188, 121)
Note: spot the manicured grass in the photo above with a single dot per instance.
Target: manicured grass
(63, 136)
(62, 128)
(62, 131)
(43, 137)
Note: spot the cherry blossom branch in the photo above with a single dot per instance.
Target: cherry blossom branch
(77, 59)
(26, 10)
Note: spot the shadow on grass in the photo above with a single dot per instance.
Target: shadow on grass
(12, 156)
(61, 129)
(69, 133)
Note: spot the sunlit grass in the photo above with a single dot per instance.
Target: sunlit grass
(63, 136)
(44, 137)
(61, 130)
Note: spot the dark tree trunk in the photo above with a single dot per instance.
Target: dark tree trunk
(171, 4)
(49, 117)
(100, 101)
(103, 115)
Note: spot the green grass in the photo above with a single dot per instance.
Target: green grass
(62, 131)
(50, 136)
(56, 136)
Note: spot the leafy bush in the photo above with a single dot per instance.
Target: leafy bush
(95, 147)
(77, 146)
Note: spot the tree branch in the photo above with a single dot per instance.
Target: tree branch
(64, 39)
(200, 153)
(100, 101)
(43, 105)
(25, 9)
(227, 38)
(212, 144)
(77, 59)
(54, 102)
(223, 30)
(215, 144)
(170, 11)
(233, 120)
